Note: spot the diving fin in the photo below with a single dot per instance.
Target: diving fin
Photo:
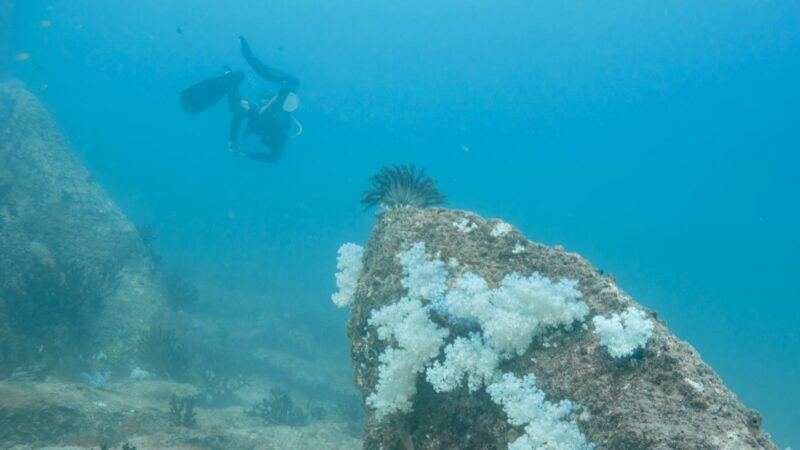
(207, 93)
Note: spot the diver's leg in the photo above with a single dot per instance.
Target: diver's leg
(265, 72)
(235, 100)
(207, 93)
(233, 132)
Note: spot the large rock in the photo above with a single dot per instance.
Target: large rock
(660, 397)
(57, 224)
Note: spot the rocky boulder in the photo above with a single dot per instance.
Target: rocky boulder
(466, 335)
(75, 274)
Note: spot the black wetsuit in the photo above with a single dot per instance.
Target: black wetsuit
(270, 123)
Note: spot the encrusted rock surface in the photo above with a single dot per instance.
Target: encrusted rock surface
(53, 214)
(663, 397)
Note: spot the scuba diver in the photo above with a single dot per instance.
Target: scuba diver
(270, 118)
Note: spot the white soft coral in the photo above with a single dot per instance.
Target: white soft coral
(466, 358)
(418, 341)
(350, 265)
(424, 279)
(622, 334)
(520, 309)
(547, 425)
(507, 317)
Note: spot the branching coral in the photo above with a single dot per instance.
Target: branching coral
(53, 302)
(181, 412)
(220, 389)
(279, 409)
(402, 186)
(53, 294)
(161, 350)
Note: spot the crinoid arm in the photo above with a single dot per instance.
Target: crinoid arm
(401, 186)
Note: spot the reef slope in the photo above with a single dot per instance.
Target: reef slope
(57, 223)
(662, 397)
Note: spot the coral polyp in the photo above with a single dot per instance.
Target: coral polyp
(402, 186)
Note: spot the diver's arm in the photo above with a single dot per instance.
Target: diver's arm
(268, 73)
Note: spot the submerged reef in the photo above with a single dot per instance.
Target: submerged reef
(75, 277)
(81, 298)
(402, 186)
(464, 334)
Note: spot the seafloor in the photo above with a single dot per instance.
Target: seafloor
(75, 416)
(56, 412)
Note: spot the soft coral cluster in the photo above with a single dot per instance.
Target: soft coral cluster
(503, 322)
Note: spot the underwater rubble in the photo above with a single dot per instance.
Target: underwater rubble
(465, 334)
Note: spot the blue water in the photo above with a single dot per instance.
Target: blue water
(660, 140)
